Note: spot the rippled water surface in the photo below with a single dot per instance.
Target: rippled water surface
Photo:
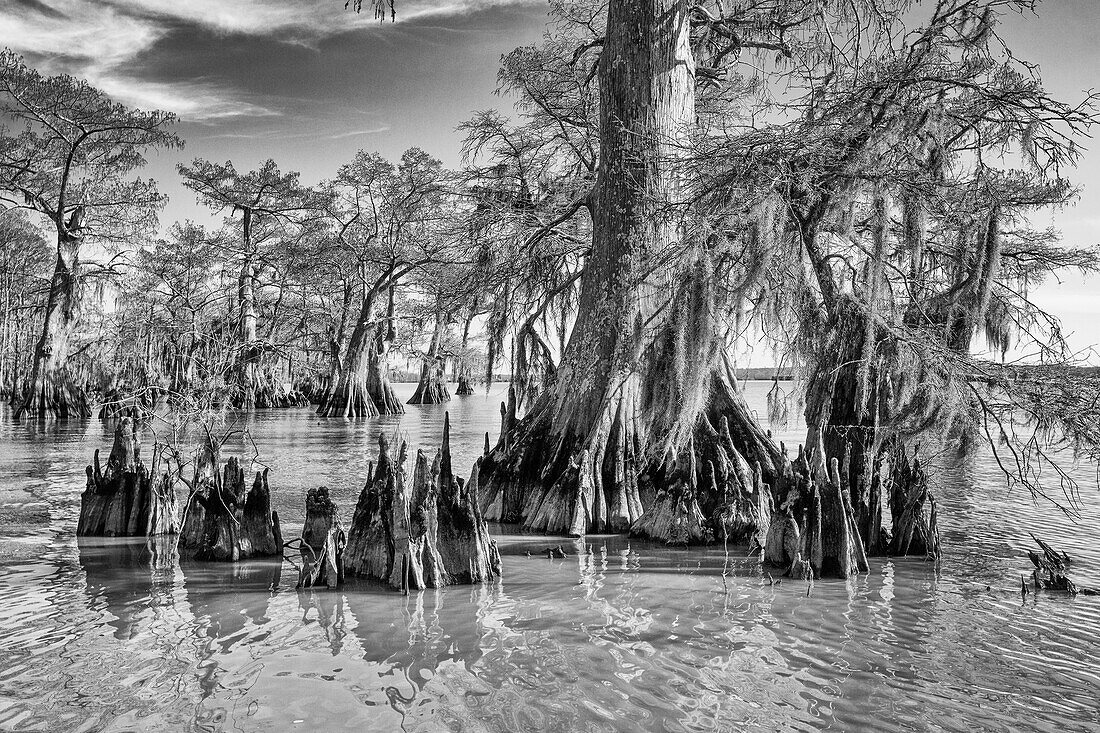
(114, 635)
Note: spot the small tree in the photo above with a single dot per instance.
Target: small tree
(67, 161)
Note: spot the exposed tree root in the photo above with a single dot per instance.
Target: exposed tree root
(362, 392)
(54, 396)
(913, 532)
(349, 399)
(715, 488)
(814, 530)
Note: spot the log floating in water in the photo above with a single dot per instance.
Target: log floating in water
(423, 533)
(125, 499)
(226, 520)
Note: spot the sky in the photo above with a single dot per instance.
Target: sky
(309, 83)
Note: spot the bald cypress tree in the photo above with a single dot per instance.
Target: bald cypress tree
(68, 160)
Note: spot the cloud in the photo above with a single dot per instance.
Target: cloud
(101, 40)
(282, 135)
(298, 19)
(355, 133)
(196, 102)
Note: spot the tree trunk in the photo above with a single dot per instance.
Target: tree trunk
(462, 369)
(248, 355)
(574, 462)
(852, 416)
(843, 416)
(361, 387)
(432, 387)
(813, 532)
(7, 329)
(50, 391)
(426, 535)
(378, 363)
(246, 371)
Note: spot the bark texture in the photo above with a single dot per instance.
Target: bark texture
(323, 542)
(227, 520)
(423, 533)
(575, 462)
(126, 499)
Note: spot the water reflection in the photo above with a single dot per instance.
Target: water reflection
(112, 570)
(618, 636)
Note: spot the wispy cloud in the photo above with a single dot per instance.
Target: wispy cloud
(194, 101)
(99, 40)
(356, 133)
(306, 21)
(282, 135)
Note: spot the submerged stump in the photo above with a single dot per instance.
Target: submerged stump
(323, 542)
(1050, 571)
(126, 499)
(426, 532)
(227, 520)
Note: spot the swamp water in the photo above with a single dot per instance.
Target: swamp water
(113, 635)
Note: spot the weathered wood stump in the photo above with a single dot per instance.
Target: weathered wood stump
(913, 532)
(126, 500)
(226, 520)
(814, 532)
(426, 533)
(1050, 571)
(323, 542)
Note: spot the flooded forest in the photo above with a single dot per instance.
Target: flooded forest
(479, 441)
